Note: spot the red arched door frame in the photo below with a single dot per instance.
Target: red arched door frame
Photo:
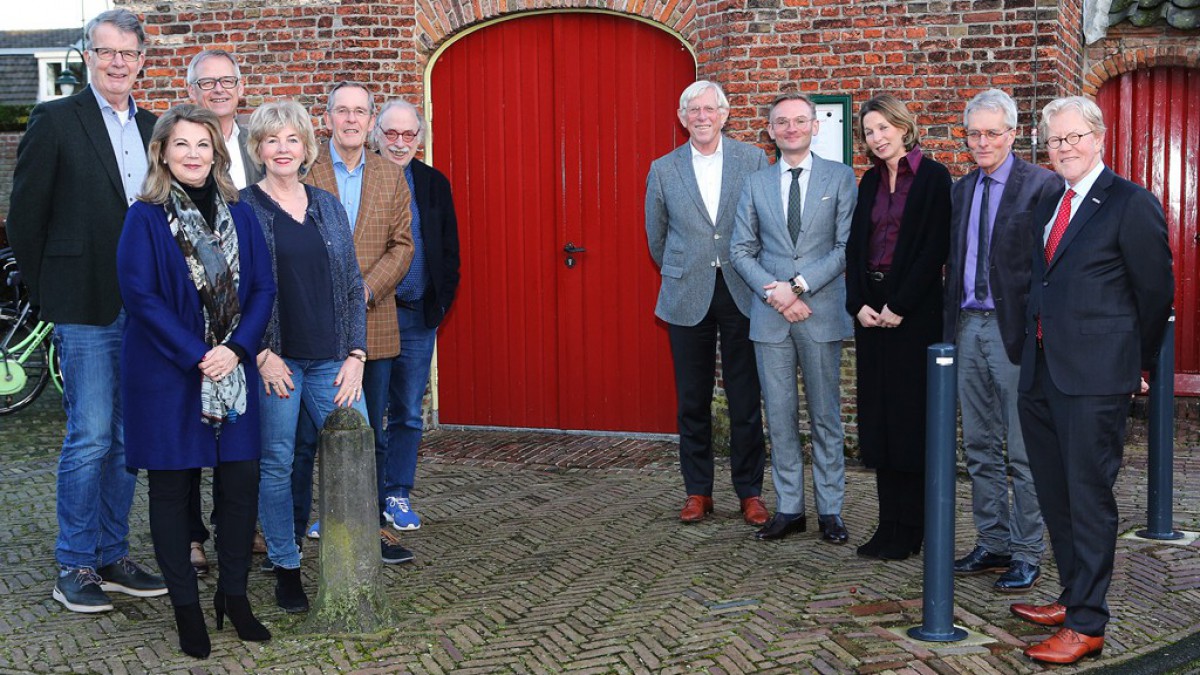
(1153, 119)
(546, 125)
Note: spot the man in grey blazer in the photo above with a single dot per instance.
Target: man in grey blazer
(789, 244)
(215, 82)
(992, 237)
(691, 196)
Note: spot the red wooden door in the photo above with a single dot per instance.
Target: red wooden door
(546, 126)
(1153, 118)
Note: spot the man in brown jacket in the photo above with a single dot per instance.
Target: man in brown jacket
(375, 195)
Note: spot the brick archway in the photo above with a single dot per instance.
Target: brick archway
(438, 21)
(1143, 57)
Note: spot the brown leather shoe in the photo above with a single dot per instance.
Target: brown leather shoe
(1066, 646)
(198, 559)
(260, 544)
(1053, 614)
(695, 508)
(754, 511)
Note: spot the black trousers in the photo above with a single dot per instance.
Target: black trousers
(198, 530)
(693, 352)
(1075, 445)
(901, 497)
(170, 516)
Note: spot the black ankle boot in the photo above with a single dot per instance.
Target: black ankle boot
(238, 607)
(289, 592)
(878, 541)
(193, 634)
(906, 542)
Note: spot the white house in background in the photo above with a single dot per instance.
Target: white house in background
(32, 60)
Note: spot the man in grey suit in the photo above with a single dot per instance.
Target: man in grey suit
(215, 82)
(992, 238)
(691, 195)
(789, 244)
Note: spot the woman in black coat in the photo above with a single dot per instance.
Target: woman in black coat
(899, 239)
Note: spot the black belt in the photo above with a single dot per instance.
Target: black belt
(979, 312)
(876, 276)
(405, 304)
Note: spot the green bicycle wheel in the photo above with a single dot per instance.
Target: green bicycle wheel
(24, 368)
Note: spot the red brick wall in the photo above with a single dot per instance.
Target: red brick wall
(1127, 48)
(946, 50)
(8, 161)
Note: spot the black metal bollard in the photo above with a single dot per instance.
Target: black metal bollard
(940, 399)
(1162, 443)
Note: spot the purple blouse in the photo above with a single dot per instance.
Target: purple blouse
(889, 209)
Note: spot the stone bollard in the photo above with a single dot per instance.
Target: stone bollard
(350, 597)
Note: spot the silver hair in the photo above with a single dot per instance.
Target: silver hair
(206, 55)
(348, 83)
(699, 87)
(1086, 107)
(377, 133)
(994, 100)
(123, 19)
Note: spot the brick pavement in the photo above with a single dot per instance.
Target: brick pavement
(548, 554)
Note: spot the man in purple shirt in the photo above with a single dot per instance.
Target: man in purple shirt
(987, 284)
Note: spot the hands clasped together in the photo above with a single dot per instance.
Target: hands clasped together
(886, 318)
(786, 302)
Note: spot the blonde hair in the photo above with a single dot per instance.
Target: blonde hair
(1086, 107)
(896, 114)
(269, 118)
(156, 189)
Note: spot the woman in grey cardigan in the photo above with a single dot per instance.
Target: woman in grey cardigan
(316, 341)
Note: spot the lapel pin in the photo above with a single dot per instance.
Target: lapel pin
(1095, 200)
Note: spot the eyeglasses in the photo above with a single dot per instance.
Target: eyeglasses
(107, 54)
(1055, 142)
(343, 111)
(973, 137)
(784, 122)
(392, 135)
(207, 83)
(707, 110)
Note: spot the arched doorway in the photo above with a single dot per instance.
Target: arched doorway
(546, 125)
(1153, 118)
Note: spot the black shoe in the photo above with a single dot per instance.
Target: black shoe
(781, 526)
(238, 607)
(980, 561)
(390, 550)
(1021, 576)
(882, 537)
(289, 592)
(833, 530)
(267, 566)
(79, 591)
(124, 576)
(905, 542)
(193, 634)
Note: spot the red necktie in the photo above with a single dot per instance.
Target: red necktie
(1056, 235)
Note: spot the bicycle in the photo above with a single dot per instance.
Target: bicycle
(28, 358)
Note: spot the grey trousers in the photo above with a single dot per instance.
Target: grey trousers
(820, 364)
(987, 391)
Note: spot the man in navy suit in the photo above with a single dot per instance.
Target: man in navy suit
(1099, 301)
(691, 197)
(423, 298)
(94, 145)
(987, 284)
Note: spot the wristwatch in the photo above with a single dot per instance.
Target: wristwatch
(359, 355)
(796, 287)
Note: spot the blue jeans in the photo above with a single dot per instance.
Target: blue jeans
(314, 393)
(95, 491)
(308, 435)
(410, 374)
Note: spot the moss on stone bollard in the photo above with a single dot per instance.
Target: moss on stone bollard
(350, 595)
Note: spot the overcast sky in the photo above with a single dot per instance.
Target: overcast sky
(33, 14)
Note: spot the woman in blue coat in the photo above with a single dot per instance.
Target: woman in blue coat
(195, 277)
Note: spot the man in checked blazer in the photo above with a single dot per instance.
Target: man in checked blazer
(375, 195)
(691, 196)
(789, 244)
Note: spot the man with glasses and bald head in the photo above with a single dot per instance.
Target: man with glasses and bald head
(79, 166)
(215, 82)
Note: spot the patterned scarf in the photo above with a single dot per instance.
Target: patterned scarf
(212, 260)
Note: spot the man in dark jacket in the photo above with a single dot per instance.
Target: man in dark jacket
(423, 298)
(94, 142)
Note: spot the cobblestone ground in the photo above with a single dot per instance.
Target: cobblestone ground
(549, 554)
